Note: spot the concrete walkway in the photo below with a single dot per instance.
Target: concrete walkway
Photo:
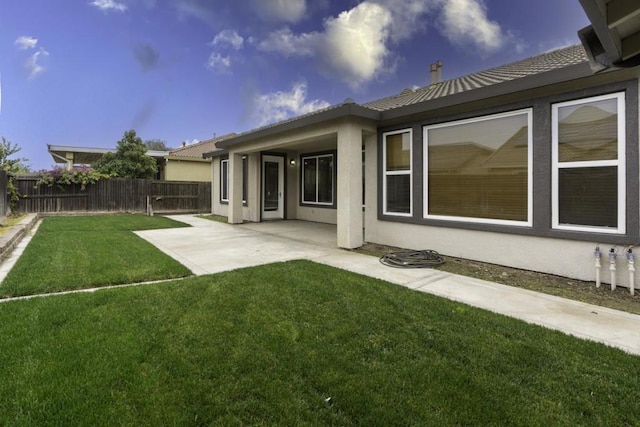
(210, 247)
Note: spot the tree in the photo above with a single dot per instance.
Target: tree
(157, 144)
(8, 149)
(12, 166)
(129, 160)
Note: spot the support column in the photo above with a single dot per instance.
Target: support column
(349, 185)
(70, 158)
(253, 187)
(235, 189)
(370, 183)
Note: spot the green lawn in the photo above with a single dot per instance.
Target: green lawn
(267, 345)
(80, 252)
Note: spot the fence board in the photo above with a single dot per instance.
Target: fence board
(114, 195)
(4, 201)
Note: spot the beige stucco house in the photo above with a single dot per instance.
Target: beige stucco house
(532, 165)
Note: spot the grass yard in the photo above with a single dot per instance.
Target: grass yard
(81, 252)
(267, 345)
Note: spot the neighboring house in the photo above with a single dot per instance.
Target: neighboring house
(530, 165)
(187, 164)
(71, 156)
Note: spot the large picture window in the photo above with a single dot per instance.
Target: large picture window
(318, 179)
(479, 170)
(224, 180)
(588, 158)
(397, 159)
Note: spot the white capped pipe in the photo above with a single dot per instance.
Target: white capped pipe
(632, 269)
(612, 267)
(597, 257)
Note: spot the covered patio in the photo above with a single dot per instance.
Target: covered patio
(309, 169)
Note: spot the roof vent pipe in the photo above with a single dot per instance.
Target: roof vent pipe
(436, 72)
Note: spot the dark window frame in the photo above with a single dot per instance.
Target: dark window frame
(542, 167)
(491, 118)
(334, 177)
(225, 180)
(386, 174)
(563, 166)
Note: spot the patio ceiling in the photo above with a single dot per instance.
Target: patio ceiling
(613, 39)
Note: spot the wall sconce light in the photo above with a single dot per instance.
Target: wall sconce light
(292, 162)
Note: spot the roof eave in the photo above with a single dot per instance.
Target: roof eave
(187, 158)
(345, 110)
(71, 148)
(513, 86)
(213, 154)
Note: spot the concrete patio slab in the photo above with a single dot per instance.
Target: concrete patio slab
(210, 247)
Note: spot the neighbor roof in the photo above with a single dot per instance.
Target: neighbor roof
(549, 61)
(88, 155)
(198, 149)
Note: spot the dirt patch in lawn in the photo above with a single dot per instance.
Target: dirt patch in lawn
(620, 299)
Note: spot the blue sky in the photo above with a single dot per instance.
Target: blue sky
(82, 72)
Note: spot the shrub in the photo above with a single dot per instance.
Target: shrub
(62, 177)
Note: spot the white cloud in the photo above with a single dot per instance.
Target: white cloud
(280, 10)
(33, 64)
(357, 45)
(218, 63)
(228, 38)
(26, 42)
(353, 44)
(285, 42)
(109, 5)
(356, 42)
(277, 106)
(408, 16)
(465, 23)
(34, 68)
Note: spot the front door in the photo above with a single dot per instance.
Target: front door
(272, 187)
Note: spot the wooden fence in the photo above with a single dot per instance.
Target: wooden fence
(114, 195)
(4, 198)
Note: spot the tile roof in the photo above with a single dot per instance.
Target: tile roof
(549, 61)
(554, 60)
(198, 149)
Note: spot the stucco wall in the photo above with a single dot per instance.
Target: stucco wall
(221, 208)
(555, 256)
(294, 209)
(562, 257)
(187, 170)
(314, 214)
(559, 256)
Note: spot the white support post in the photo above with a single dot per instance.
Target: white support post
(235, 189)
(349, 183)
(370, 183)
(253, 186)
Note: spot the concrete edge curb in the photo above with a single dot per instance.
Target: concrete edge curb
(10, 240)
